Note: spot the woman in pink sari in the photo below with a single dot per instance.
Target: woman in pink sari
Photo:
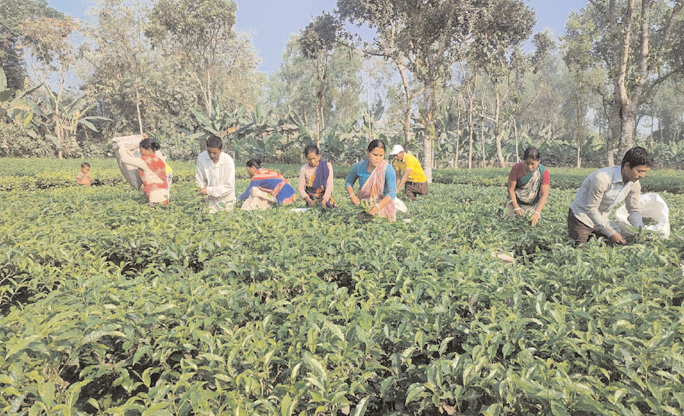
(377, 182)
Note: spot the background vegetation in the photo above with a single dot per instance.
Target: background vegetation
(473, 91)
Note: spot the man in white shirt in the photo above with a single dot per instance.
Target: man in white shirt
(602, 191)
(215, 176)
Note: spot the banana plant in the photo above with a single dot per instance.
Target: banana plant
(222, 123)
(15, 105)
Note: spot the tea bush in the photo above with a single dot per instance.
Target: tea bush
(111, 307)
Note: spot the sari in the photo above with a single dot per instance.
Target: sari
(317, 183)
(373, 191)
(527, 188)
(273, 182)
(154, 185)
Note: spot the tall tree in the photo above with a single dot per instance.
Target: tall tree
(639, 44)
(428, 37)
(197, 33)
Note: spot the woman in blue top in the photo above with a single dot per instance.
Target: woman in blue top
(377, 182)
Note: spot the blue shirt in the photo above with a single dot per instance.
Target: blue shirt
(360, 171)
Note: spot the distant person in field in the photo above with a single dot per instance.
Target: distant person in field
(152, 169)
(83, 177)
(215, 176)
(528, 187)
(377, 182)
(602, 191)
(316, 179)
(409, 173)
(266, 189)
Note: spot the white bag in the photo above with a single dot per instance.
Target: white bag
(129, 146)
(652, 206)
(399, 205)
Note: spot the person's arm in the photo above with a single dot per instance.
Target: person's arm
(514, 199)
(543, 196)
(390, 182)
(404, 177)
(83, 179)
(328, 185)
(634, 206)
(378, 206)
(352, 177)
(597, 189)
(201, 178)
(301, 187)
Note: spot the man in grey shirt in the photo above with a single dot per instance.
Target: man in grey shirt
(602, 191)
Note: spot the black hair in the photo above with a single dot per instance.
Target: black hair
(254, 163)
(148, 144)
(375, 144)
(214, 142)
(84, 164)
(532, 153)
(312, 148)
(637, 156)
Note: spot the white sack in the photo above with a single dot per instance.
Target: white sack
(399, 205)
(652, 206)
(129, 146)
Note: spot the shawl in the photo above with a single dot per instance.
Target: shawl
(373, 191)
(527, 188)
(316, 186)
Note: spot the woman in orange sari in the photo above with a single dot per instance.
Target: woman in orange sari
(377, 182)
(316, 179)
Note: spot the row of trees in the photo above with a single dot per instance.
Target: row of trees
(462, 84)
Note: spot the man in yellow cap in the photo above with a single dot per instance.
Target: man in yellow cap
(408, 167)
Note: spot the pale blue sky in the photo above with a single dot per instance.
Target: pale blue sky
(271, 22)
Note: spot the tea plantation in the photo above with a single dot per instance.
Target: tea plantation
(110, 307)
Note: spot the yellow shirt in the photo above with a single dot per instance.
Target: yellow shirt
(410, 162)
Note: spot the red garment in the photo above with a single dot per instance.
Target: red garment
(518, 171)
(158, 166)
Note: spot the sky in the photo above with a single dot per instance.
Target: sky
(271, 22)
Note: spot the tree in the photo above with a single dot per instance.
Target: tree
(428, 38)
(638, 43)
(196, 32)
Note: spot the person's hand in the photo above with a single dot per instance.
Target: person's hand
(203, 191)
(519, 211)
(324, 202)
(617, 239)
(310, 202)
(373, 210)
(355, 200)
(535, 218)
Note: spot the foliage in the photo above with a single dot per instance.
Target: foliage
(110, 309)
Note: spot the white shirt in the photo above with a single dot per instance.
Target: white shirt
(219, 180)
(602, 191)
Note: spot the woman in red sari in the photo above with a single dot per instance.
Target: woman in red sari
(152, 169)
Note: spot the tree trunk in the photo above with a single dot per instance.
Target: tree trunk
(498, 133)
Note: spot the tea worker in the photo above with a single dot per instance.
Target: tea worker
(528, 187)
(152, 169)
(411, 172)
(215, 176)
(316, 179)
(602, 191)
(266, 188)
(377, 182)
(83, 177)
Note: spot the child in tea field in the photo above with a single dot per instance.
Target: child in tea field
(152, 169)
(377, 182)
(83, 177)
(528, 187)
(215, 176)
(602, 191)
(316, 179)
(266, 188)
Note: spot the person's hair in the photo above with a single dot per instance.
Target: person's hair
(312, 148)
(214, 142)
(148, 144)
(375, 144)
(85, 164)
(532, 153)
(254, 163)
(637, 156)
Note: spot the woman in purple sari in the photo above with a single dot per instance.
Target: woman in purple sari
(316, 179)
